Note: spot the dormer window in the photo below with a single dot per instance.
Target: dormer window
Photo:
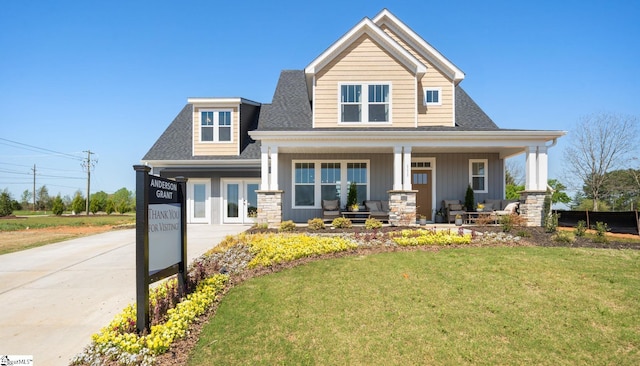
(432, 96)
(365, 103)
(215, 126)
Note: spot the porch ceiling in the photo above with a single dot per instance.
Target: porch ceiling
(503, 151)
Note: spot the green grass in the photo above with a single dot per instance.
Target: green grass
(37, 221)
(523, 305)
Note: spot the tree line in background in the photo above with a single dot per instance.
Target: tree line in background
(122, 201)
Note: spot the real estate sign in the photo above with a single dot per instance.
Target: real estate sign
(161, 233)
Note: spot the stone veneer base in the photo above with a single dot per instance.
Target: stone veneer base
(531, 206)
(269, 208)
(402, 207)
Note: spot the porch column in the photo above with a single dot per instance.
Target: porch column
(274, 168)
(397, 168)
(406, 167)
(264, 168)
(542, 168)
(531, 168)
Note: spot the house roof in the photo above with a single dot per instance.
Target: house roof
(176, 142)
(291, 110)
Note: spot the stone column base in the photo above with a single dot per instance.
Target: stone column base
(402, 208)
(531, 207)
(269, 208)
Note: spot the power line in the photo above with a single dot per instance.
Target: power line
(29, 166)
(31, 147)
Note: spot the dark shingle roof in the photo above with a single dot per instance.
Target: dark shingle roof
(290, 109)
(175, 143)
(469, 114)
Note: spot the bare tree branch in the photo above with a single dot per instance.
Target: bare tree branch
(598, 144)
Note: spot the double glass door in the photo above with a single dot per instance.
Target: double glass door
(240, 201)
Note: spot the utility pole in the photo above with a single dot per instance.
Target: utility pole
(88, 164)
(34, 187)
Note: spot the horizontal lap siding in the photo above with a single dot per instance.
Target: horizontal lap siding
(380, 175)
(364, 61)
(432, 115)
(215, 148)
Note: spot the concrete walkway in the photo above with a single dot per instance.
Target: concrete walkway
(53, 298)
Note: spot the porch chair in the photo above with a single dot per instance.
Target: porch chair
(330, 209)
(451, 209)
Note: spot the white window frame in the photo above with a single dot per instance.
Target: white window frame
(438, 89)
(364, 102)
(344, 184)
(216, 125)
(485, 176)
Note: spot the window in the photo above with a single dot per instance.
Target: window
(432, 96)
(305, 177)
(365, 103)
(478, 175)
(215, 126)
(309, 191)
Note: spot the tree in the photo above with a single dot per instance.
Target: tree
(78, 204)
(352, 195)
(43, 201)
(559, 195)
(599, 143)
(57, 206)
(98, 201)
(512, 192)
(6, 204)
(25, 200)
(513, 173)
(469, 203)
(123, 200)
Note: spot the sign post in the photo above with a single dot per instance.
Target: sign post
(161, 236)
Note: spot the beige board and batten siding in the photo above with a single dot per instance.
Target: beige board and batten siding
(215, 148)
(364, 61)
(433, 115)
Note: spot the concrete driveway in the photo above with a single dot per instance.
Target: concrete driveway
(53, 298)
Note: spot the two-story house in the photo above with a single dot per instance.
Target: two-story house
(380, 107)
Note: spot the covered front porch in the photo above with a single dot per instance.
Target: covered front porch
(414, 171)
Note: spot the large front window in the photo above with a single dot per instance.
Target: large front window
(308, 192)
(365, 103)
(215, 126)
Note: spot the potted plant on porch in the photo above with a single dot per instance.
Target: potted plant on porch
(458, 220)
(422, 219)
(352, 197)
(439, 216)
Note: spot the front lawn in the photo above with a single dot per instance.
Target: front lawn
(476, 305)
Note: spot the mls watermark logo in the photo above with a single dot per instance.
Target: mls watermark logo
(16, 360)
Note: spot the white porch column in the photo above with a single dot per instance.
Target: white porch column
(274, 168)
(406, 169)
(542, 168)
(397, 168)
(531, 180)
(264, 168)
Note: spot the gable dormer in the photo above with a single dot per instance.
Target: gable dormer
(220, 125)
(382, 74)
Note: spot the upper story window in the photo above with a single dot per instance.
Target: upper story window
(432, 96)
(215, 126)
(365, 103)
(478, 175)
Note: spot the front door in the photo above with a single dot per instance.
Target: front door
(198, 201)
(421, 182)
(240, 201)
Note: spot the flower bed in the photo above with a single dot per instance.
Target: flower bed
(430, 237)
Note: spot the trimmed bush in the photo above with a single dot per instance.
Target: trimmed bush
(316, 224)
(287, 226)
(341, 223)
(581, 229)
(372, 223)
(430, 237)
(563, 237)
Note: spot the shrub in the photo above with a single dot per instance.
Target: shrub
(78, 204)
(261, 226)
(316, 224)
(563, 237)
(601, 229)
(523, 234)
(352, 195)
(57, 206)
(6, 208)
(508, 222)
(372, 223)
(287, 226)
(110, 207)
(468, 199)
(551, 223)
(341, 223)
(581, 229)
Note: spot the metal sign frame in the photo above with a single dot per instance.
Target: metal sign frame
(163, 190)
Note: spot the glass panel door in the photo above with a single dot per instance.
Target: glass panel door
(240, 201)
(198, 201)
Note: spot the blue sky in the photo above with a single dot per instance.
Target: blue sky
(110, 76)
